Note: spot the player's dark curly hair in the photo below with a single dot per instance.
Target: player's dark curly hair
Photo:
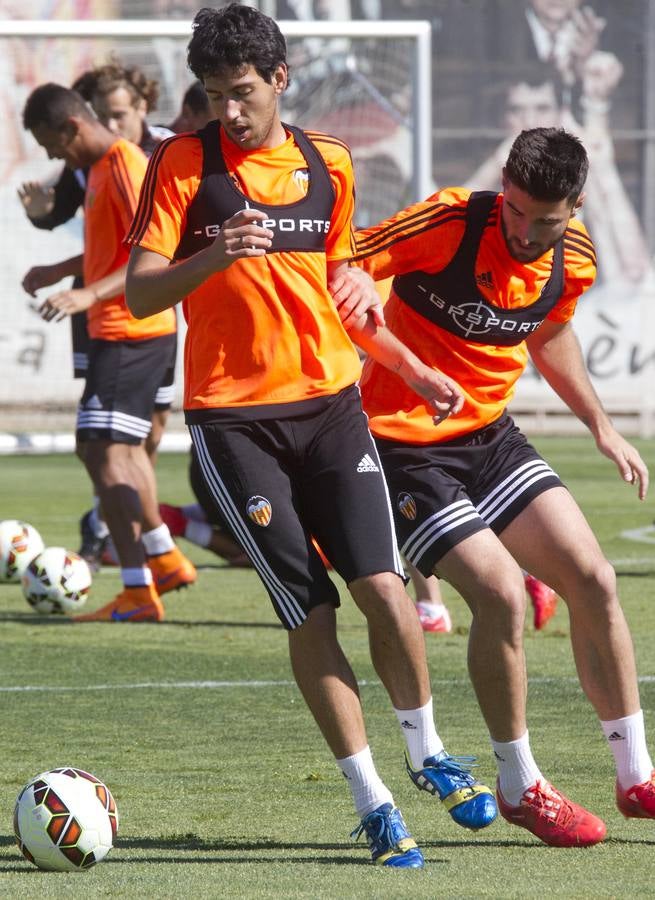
(52, 105)
(549, 164)
(114, 75)
(233, 38)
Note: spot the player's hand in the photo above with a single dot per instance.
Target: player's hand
(37, 200)
(354, 295)
(442, 393)
(240, 237)
(41, 276)
(65, 303)
(628, 461)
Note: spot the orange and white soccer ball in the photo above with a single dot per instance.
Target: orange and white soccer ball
(19, 544)
(65, 820)
(57, 581)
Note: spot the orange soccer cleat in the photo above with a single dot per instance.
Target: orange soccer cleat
(639, 801)
(553, 818)
(133, 604)
(544, 601)
(172, 570)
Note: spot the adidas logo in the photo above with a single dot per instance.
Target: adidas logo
(408, 725)
(93, 403)
(615, 736)
(367, 464)
(485, 279)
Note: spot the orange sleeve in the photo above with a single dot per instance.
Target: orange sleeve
(424, 236)
(338, 245)
(579, 270)
(170, 185)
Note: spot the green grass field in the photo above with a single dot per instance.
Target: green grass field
(223, 784)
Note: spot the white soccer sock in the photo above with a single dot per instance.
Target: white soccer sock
(136, 577)
(199, 533)
(420, 733)
(158, 540)
(517, 770)
(627, 740)
(366, 786)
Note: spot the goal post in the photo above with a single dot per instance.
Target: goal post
(367, 83)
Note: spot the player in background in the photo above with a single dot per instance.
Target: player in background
(195, 110)
(127, 358)
(121, 97)
(258, 214)
(480, 281)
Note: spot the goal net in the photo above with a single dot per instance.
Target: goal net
(364, 82)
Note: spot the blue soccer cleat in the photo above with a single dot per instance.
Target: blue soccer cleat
(388, 839)
(470, 804)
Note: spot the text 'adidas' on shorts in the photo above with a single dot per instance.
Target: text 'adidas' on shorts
(443, 493)
(278, 482)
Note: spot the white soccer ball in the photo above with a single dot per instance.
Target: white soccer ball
(57, 581)
(65, 820)
(19, 544)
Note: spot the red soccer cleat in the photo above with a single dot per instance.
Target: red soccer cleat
(544, 601)
(434, 617)
(553, 818)
(174, 518)
(639, 801)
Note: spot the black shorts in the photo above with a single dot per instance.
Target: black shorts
(166, 390)
(279, 481)
(120, 390)
(443, 493)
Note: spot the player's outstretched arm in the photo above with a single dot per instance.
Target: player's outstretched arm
(359, 307)
(555, 351)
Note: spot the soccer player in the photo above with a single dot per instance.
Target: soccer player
(121, 96)
(245, 222)
(480, 281)
(127, 357)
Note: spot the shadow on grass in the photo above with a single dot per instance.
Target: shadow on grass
(58, 621)
(187, 849)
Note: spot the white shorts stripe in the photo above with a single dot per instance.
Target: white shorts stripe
(513, 486)
(289, 607)
(436, 526)
(165, 394)
(116, 421)
(398, 562)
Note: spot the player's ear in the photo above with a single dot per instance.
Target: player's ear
(578, 203)
(280, 78)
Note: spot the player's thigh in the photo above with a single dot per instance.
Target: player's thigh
(257, 496)
(552, 540)
(344, 496)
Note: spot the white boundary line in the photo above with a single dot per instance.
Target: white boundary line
(218, 685)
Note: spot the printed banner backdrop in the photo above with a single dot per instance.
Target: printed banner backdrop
(496, 70)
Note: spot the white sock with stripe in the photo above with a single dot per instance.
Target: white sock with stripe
(627, 740)
(517, 770)
(367, 788)
(420, 733)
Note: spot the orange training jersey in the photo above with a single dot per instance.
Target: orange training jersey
(425, 237)
(111, 198)
(265, 330)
